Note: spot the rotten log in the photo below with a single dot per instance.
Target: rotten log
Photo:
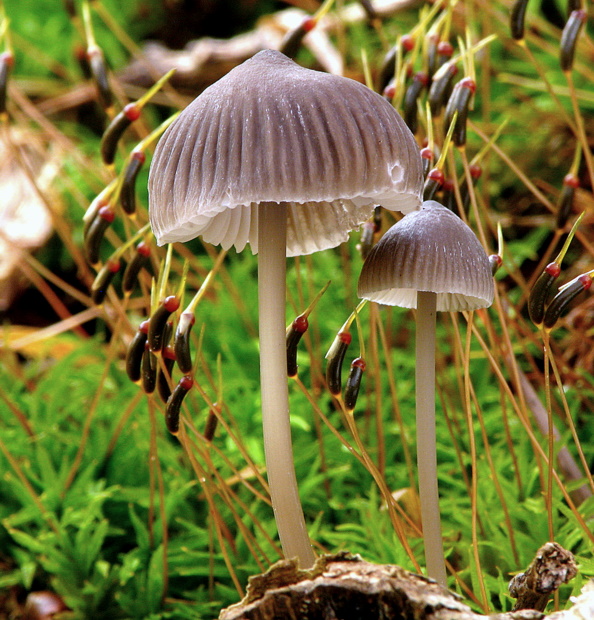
(345, 587)
(206, 60)
(552, 567)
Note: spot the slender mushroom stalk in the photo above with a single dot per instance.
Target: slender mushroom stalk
(432, 261)
(272, 227)
(426, 436)
(288, 160)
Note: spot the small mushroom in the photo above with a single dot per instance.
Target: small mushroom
(432, 261)
(289, 160)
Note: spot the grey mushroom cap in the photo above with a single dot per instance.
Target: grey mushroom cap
(272, 131)
(428, 250)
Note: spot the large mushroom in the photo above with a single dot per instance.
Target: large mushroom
(432, 261)
(289, 160)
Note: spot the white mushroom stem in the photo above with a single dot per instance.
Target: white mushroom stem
(426, 441)
(272, 227)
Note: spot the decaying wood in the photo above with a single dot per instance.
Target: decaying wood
(345, 587)
(206, 60)
(552, 567)
(25, 222)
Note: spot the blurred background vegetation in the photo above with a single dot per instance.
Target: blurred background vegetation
(104, 514)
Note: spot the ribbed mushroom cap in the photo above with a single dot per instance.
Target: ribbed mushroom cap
(428, 250)
(272, 131)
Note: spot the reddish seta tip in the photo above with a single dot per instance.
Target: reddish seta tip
(408, 42)
(144, 249)
(139, 156)
(586, 280)
(468, 83)
(309, 23)
(300, 324)
(553, 269)
(475, 171)
(7, 58)
(427, 153)
(189, 317)
(93, 51)
(186, 382)
(359, 362)
(132, 111)
(144, 327)
(390, 91)
(421, 77)
(345, 337)
(445, 48)
(171, 303)
(448, 185)
(169, 352)
(571, 180)
(436, 175)
(495, 261)
(106, 213)
(113, 265)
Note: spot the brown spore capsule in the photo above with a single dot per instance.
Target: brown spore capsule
(174, 403)
(353, 383)
(111, 136)
(570, 184)
(335, 359)
(181, 342)
(517, 18)
(6, 64)
(411, 96)
(564, 297)
(432, 57)
(99, 73)
(386, 73)
(128, 188)
(211, 423)
(149, 367)
(103, 280)
(440, 89)
(459, 101)
(294, 333)
(433, 183)
(164, 373)
(135, 352)
(569, 37)
(539, 293)
(158, 321)
(139, 261)
(96, 231)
